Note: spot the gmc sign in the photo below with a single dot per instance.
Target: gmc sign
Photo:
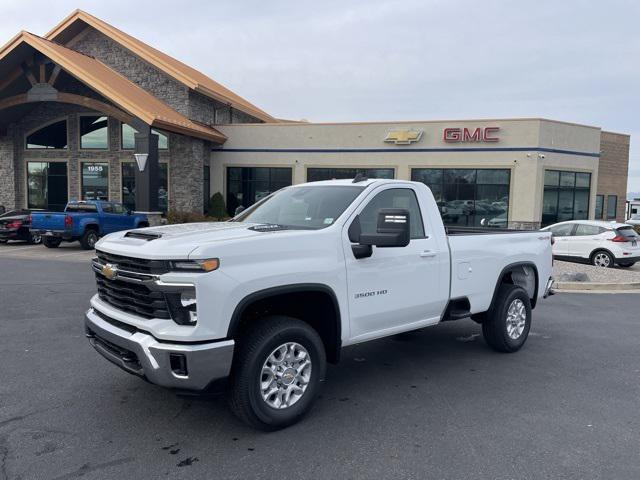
(458, 135)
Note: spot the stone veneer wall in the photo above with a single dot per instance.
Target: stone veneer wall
(7, 173)
(613, 169)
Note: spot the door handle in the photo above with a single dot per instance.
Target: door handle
(427, 254)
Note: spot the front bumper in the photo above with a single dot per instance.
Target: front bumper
(139, 353)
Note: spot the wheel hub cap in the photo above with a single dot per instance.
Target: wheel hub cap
(516, 319)
(285, 375)
(602, 260)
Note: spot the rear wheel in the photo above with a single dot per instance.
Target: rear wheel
(507, 324)
(276, 374)
(52, 242)
(89, 239)
(602, 258)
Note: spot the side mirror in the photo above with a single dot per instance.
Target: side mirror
(239, 210)
(393, 231)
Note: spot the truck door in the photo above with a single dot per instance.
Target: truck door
(399, 286)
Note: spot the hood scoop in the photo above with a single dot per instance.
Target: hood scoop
(268, 227)
(143, 235)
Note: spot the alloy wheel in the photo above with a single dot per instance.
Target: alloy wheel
(601, 260)
(516, 319)
(285, 375)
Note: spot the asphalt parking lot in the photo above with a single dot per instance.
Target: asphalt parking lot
(438, 404)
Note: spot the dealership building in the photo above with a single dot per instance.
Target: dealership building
(89, 112)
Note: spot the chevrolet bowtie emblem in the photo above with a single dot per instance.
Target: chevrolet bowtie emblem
(109, 271)
(403, 137)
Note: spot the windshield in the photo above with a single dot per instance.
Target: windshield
(81, 207)
(302, 207)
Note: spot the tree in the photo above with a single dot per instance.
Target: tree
(217, 208)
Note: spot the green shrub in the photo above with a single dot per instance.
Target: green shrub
(217, 208)
(174, 216)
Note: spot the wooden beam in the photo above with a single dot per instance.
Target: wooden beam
(28, 73)
(9, 79)
(73, 99)
(43, 70)
(54, 75)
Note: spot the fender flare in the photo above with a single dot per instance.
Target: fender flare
(284, 289)
(511, 267)
(604, 250)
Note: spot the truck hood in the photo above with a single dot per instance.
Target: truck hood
(178, 241)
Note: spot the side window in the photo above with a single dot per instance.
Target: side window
(583, 230)
(393, 198)
(562, 230)
(107, 208)
(118, 208)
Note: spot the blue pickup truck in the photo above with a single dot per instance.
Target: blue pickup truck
(85, 221)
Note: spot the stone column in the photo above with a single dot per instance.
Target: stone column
(7, 174)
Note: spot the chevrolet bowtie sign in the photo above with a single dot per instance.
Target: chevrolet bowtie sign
(403, 137)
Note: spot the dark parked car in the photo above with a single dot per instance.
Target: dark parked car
(15, 225)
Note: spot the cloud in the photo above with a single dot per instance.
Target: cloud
(388, 60)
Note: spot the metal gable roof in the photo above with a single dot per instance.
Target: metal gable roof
(181, 72)
(113, 86)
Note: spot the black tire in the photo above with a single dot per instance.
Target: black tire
(143, 225)
(252, 350)
(626, 264)
(89, 239)
(51, 242)
(602, 258)
(4, 241)
(495, 328)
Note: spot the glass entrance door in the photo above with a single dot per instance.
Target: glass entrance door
(47, 185)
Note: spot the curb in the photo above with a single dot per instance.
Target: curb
(586, 286)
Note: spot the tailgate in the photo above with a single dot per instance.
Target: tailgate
(47, 221)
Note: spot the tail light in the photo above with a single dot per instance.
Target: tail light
(619, 238)
(68, 221)
(14, 224)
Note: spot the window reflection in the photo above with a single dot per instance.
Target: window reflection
(128, 141)
(53, 136)
(129, 186)
(468, 197)
(566, 196)
(94, 132)
(247, 185)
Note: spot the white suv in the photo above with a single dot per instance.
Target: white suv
(603, 244)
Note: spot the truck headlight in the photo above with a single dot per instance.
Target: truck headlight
(207, 265)
(183, 307)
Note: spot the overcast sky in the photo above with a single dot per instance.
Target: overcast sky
(327, 60)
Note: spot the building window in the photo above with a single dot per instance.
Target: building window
(129, 186)
(566, 196)
(599, 206)
(95, 181)
(94, 132)
(128, 141)
(468, 197)
(206, 188)
(247, 185)
(47, 185)
(317, 174)
(52, 136)
(612, 206)
(404, 198)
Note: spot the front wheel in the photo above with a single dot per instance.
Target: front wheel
(507, 325)
(52, 242)
(276, 373)
(34, 239)
(89, 239)
(602, 259)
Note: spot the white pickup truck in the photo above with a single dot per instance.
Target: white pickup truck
(262, 302)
